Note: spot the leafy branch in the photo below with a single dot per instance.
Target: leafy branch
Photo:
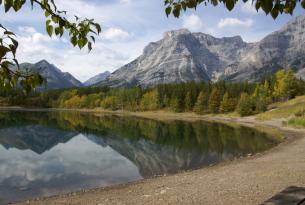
(81, 32)
(272, 7)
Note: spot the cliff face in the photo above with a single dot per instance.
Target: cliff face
(183, 56)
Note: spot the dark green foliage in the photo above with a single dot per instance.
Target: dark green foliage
(214, 100)
(270, 7)
(201, 105)
(228, 104)
(245, 105)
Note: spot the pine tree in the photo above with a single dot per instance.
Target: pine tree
(188, 101)
(227, 104)
(175, 105)
(245, 105)
(214, 100)
(201, 105)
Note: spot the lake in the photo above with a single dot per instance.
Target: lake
(48, 153)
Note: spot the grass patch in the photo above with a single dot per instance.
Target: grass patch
(297, 122)
(284, 109)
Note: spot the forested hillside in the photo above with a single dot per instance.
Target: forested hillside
(203, 98)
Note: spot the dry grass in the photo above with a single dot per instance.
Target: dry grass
(284, 110)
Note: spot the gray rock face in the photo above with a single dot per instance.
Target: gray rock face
(55, 78)
(96, 79)
(183, 56)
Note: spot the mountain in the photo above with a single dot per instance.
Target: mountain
(56, 79)
(96, 79)
(183, 56)
(37, 138)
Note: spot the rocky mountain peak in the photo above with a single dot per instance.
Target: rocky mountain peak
(183, 56)
(174, 33)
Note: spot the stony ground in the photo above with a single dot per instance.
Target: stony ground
(250, 180)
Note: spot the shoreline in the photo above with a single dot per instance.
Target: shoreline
(170, 189)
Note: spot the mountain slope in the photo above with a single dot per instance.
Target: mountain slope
(282, 48)
(183, 56)
(55, 78)
(96, 79)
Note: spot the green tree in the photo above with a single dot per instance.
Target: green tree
(149, 101)
(286, 85)
(188, 101)
(270, 7)
(201, 105)
(176, 105)
(81, 32)
(245, 105)
(214, 100)
(110, 102)
(262, 97)
(227, 104)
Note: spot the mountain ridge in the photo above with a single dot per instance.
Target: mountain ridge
(182, 56)
(97, 78)
(56, 79)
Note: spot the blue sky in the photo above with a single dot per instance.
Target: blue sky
(129, 25)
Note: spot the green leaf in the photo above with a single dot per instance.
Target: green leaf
(89, 46)
(176, 10)
(214, 2)
(50, 30)
(54, 19)
(57, 31)
(73, 40)
(47, 14)
(98, 28)
(230, 4)
(267, 6)
(303, 4)
(7, 5)
(274, 12)
(168, 10)
(257, 5)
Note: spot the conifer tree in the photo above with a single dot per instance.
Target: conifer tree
(188, 101)
(214, 100)
(227, 104)
(245, 105)
(201, 105)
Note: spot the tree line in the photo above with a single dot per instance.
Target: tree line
(202, 98)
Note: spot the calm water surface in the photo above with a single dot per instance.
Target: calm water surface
(47, 153)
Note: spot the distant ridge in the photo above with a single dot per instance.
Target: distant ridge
(96, 79)
(56, 79)
(183, 56)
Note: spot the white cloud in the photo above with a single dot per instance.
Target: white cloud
(192, 22)
(27, 29)
(116, 34)
(234, 22)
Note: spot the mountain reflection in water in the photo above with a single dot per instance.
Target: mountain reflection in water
(47, 153)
